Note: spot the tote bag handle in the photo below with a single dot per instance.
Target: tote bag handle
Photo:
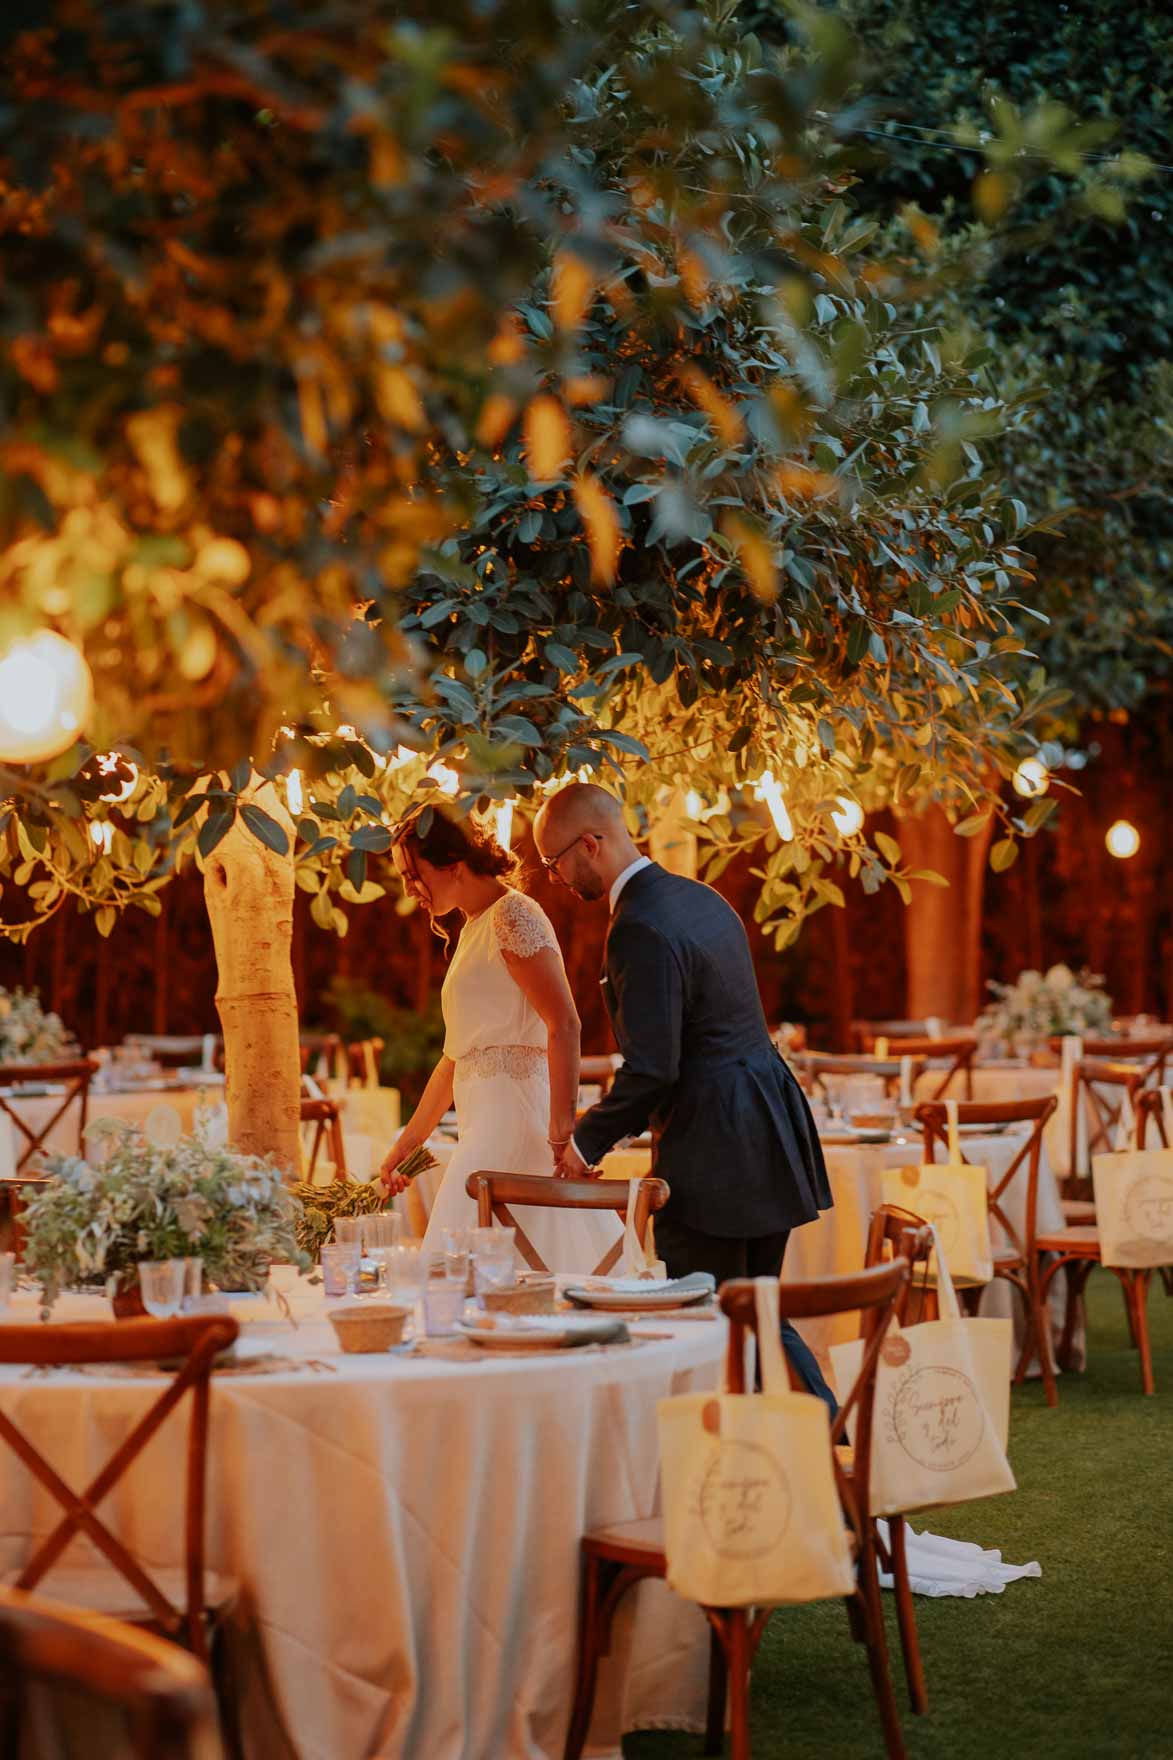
(953, 1132)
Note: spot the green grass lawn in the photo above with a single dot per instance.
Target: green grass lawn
(1076, 1663)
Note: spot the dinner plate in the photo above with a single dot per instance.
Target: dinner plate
(627, 1294)
(539, 1333)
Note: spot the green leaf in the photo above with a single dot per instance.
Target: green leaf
(565, 659)
(475, 662)
(929, 874)
(1004, 854)
(977, 822)
(239, 774)
(375, 838)
(888, 848)
(265, 829)
(1038, 813)
(215, 827)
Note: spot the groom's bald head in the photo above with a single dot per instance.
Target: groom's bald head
(581, 830)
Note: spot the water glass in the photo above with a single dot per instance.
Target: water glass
(383, 1228)
(405, 1273)
(340, 1267)
(348, 1230)
(494, 1258)
(193, 1284)
(443, 1305)
(7, 1277)
(456, 1245)
(161, 1282)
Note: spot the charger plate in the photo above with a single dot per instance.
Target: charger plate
(633, 1295)
(540, 1332)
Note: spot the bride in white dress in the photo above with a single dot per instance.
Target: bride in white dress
(511, 1043)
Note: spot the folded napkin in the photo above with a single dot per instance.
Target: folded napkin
(938, 1566)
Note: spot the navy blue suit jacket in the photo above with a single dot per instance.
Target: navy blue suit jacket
(735, 1138)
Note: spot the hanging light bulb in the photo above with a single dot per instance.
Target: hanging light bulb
(694, 806)
(1032, 779)
(849, 818)
(503, 823)
(46, 693)
(771, 792)
(1123, 839)
(294, 793)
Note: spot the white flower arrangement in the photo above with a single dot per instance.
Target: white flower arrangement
(1042, 1005)
(27, 1033)
(100, 1217)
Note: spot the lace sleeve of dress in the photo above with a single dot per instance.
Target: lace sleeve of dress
(521, 926)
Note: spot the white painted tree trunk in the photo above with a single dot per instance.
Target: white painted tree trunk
(943, 928)
(249, 894)
(672, 837)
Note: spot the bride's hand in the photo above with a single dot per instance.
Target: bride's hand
(397, 1153)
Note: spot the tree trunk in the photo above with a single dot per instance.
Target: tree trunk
(249, 893)
(943, 926)
(672, 838)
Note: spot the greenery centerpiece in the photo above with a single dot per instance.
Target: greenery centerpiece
(1040, 1005)
(101, 1217)
(321, 1206)
(28, 1034)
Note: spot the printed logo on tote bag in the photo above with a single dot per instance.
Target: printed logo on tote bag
(937, 1418)
(744, 1500)
(936, 1206)
(1148, 1207)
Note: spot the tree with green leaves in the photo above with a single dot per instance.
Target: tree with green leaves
(475, 387)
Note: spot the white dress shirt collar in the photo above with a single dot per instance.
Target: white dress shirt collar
(621, 880)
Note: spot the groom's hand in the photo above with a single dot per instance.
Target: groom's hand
(570, 1164)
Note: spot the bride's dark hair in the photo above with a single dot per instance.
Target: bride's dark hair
(443, 838)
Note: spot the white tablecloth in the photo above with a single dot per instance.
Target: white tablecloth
(406, 1533)
(135, 1107)
(1014, 1081)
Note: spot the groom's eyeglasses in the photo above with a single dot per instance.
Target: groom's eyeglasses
(550, 863)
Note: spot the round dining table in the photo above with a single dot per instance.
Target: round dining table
(404, 1528)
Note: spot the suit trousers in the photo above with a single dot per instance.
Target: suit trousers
(685, 1250)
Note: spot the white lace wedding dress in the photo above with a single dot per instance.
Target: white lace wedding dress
(497, 1041)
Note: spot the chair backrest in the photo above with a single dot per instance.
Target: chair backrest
(74, 1075)
(495, 1192)
(1150, 1108)
(325, 1116)
(864, 1033)
(876, 1294)
(362, 1055)
(959, 1050)
(932, 1117)
(195, 1340)
(598, 1069)
(314, 1046)
(817, 1065)
(1098, 1091)
(894, 1233)
(176, 1050)
(72, 1682)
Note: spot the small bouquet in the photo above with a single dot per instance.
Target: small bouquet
(1043, 1005)
(321, 1206)
(27, 1033)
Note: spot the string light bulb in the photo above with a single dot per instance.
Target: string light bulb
(770, 791)
(446, 780)
(294, 793)
(503, 823)
(46, 693)
(1122, 839)
(1032, 779)
(108, 764)
(694, 806)
(848, 820)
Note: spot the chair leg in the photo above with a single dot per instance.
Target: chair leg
(227, 1696)
(1167, 1278)
(735, 1622)
(1138, 1298)
(590, 1644)
(718, 1694)
(1037, 1334)
(914, 1672)
(1077, 1275)
(872, 1612)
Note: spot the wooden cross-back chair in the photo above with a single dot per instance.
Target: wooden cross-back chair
(900, 1234)
(180, 1603)
(325, 1116)
(816, 1066)
(313, 1046)
(1150, 1110)
(598, 1070)
(176, 1050)
(73, 1682)
(1016, 1261)
(73, 1074)
(615, 1559)
(1151, 1051)
(960, 1049)
(1098, 1091)
(864, 1033)
(493, 1194)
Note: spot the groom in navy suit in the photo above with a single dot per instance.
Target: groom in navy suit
(735, 1138)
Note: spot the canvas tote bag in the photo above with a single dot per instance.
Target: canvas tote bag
(751, 1512)
(1134, 1198)
(952, 1196)
(942, 1407)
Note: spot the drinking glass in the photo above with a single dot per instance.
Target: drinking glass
(340, 1267)
(456, 1242)
(161, 1282)
(493, 1258)
(381, 1229)
(443, 1305)
(348, 1229)
(7, 1277)
(405, 1273)
(193, 1283)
